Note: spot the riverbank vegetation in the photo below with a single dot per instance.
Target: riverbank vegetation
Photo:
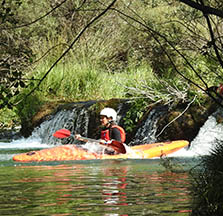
(207, 184)
(62, 51)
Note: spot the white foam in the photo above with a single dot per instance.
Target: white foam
(23, 143)
(206, 139)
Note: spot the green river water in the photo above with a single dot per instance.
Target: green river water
(96, 187)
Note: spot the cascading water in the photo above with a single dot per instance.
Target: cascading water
(77, 120)
(209, 134)
(147, 131)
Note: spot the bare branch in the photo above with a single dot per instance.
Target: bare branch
(213, 38)
(203, 8)
(177, 117)
(168, 94)
(69, 48)
(38, 19)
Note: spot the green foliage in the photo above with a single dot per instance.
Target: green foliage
(15, 53)
(207, 185)
(134, 114)
(29, 106)
(8, 10)
(9, 118)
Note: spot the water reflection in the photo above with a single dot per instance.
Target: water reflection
(113, 188)
(102, 188)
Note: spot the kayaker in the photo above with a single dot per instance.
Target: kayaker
(110, 130)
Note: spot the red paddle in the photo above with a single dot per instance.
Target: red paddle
(116, 145)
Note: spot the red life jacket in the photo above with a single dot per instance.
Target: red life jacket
(105, 133)
(220, 89)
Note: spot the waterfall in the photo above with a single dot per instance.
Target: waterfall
(209, 134)
(147, 130)
(76, 120)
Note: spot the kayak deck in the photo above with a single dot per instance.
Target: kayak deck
(72, 152)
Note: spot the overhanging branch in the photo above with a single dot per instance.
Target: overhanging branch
(69, 48)
(203, 8)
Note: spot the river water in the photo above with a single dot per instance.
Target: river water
(97, 187)
(100, 187)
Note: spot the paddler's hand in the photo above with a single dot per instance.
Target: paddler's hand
(77, 136)
(104, 142)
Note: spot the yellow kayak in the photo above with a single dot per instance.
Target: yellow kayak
(72, 152)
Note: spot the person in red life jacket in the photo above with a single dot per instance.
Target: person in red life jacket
(218, 92)
(110, 130)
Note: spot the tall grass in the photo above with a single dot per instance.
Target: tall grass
(81, 81)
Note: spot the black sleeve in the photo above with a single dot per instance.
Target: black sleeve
(115, 134)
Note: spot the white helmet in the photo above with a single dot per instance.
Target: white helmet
(110, 113)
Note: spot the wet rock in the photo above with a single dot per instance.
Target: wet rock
(10, 134)
(180, 124)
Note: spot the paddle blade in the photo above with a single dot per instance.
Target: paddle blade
(117, 146)
(62, 133)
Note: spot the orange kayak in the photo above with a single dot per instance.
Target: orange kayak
(72, 152)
